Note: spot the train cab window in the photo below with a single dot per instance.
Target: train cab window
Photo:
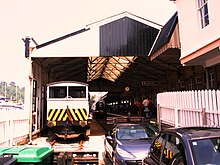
(77, 92)
(58, 92)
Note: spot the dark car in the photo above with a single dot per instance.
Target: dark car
(188, 146)
(129, 143)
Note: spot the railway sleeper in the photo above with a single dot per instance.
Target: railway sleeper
(76, 158)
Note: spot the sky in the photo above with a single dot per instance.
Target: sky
(45, 20)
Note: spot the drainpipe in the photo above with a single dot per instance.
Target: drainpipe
(207, 78)
(30, 99)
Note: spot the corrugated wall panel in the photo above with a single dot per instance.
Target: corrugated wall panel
(126, 36)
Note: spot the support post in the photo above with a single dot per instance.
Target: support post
(158, 117)
(204, 119)
(176, 118)
(30, 100)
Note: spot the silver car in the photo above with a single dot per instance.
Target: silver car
(129, 143)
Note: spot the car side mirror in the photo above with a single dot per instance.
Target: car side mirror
(109, 137)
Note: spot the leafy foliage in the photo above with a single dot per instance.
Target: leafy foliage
(12, 91)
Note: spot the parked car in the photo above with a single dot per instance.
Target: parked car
(128, 143)
(188, 146)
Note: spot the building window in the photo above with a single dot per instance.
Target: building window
(198, 79)
(190, 83)
(34, 95)
(203, 12)
(182, 84)
(211, 80)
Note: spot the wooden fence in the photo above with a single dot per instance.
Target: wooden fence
(14, 125)
(189, 108)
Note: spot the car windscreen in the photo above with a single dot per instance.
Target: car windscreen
(131, 132)
(206, 151)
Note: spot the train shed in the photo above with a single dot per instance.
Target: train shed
(110, 55)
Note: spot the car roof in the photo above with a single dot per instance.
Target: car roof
(129, 124)
(196, 132)
(137, 124)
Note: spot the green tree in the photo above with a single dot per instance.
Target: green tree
(12, 84)
(12, 91)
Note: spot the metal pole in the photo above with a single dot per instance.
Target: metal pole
(16, 93)
(30, 100)
(5, 92)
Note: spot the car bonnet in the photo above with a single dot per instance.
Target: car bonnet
(135, 146)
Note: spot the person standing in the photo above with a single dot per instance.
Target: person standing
(137, 108)
(146, 110)
(150, 107)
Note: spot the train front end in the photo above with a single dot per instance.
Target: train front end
(68, 109)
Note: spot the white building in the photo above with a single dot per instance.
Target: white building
(199, 24)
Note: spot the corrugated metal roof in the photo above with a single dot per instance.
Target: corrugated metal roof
(121, 41)
(126, 37)
(165, 33)
(166, 48)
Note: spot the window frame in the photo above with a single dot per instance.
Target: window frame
(171, 149)
(211, 80)
(76, 92)
(162, 140)
(203, 12)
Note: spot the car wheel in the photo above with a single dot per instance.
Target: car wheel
(178, 159)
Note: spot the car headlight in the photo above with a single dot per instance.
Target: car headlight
(124, 153)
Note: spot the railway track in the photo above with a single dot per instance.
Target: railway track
(80, 150)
